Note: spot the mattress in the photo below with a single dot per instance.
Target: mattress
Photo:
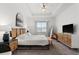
(32, 40)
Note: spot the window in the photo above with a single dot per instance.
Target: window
(41, 26)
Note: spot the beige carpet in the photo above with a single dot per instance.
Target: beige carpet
(56, 49)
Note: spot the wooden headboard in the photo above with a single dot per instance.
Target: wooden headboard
(17, 31)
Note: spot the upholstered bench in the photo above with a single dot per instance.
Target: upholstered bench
(4, 49)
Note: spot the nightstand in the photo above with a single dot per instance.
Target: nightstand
(54, 36)
(13, 44)
(50, 40)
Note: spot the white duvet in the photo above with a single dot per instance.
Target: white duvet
(32, 40)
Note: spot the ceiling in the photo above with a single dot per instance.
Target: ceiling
(53, 9)
(34, 9)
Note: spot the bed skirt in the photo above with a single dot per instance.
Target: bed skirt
(33, 47)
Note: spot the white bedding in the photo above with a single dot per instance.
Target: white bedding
(32, 40)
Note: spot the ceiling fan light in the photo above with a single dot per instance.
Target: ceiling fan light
(43, 7)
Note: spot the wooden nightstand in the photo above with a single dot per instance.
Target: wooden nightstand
(13, 44)
(54, 36)
(50, 40)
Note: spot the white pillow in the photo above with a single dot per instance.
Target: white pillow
(29, 34)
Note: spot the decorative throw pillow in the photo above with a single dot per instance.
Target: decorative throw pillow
(6, 38)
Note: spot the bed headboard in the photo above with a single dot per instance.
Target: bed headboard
(17, 31)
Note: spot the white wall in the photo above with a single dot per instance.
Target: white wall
(31, 23)
(30, 19)
(8, 16)
(70, 15)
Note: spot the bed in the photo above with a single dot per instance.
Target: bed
(29, 40)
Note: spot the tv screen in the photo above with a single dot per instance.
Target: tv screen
(68, 28)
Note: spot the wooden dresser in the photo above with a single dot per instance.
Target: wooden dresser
(65, 38)
(70, 40)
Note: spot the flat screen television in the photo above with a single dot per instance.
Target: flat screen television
(68, 28)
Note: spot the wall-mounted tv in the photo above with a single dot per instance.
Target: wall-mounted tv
(68, 28)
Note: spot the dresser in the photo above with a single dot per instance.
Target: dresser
(70, 40)
(65, 39)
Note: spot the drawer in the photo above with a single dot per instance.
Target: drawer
(69, 42)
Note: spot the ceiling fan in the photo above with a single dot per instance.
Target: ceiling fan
(43, 7)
